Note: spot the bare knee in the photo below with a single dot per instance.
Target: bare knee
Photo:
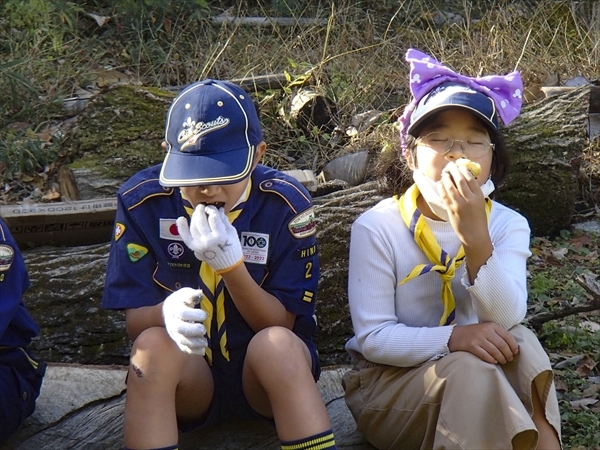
(153, 355)
(279, 349)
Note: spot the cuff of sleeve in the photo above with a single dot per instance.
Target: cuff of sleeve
(229, 269)
(446, 350)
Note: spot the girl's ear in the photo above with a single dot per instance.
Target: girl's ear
(410, 160)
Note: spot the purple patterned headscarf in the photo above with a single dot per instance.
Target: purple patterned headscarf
(426, 72)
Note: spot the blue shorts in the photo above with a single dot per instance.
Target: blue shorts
(229, 402)
(20, 386)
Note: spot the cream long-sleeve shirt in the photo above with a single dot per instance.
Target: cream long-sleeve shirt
(399, 324)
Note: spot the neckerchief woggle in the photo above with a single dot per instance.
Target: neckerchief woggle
(213, 287)
(440, 261)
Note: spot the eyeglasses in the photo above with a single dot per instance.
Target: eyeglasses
(442, 143)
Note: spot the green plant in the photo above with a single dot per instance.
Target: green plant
(23, 154)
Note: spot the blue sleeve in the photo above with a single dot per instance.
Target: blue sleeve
(294, 267)
(131, 265)
(14, 279)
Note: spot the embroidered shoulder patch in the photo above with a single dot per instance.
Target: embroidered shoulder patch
(119, 230)
(136, 252)
(303, 224)
(7, 255)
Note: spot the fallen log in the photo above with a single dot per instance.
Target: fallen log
(81, 407)
(547, 142)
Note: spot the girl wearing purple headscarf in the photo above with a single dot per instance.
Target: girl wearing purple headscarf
(437, 285)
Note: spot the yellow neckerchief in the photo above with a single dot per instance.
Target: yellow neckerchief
(212, 285)
(441, 261)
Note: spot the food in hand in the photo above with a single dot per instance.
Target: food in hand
(473, 167)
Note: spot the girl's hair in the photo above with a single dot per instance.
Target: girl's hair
(395, 177)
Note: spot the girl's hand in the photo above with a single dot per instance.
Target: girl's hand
(464, 202)
(488, 341)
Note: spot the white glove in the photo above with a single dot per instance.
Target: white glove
(212, 238)
(183, 321)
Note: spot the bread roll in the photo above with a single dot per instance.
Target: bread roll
(473, 167)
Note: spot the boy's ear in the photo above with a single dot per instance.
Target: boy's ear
(261, 148)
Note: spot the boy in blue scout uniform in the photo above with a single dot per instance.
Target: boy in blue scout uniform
(214, 261)
(20, 373)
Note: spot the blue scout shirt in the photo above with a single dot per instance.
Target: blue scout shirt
(148, 259)
(17, 327)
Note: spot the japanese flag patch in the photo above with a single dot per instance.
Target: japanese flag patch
(168, 230)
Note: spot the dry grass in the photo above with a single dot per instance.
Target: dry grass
(356, 59)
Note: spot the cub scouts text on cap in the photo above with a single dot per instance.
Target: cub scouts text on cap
(211, 132)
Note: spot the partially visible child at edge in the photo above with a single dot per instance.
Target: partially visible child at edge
(214, 261)
(437, 285)
(21, 374)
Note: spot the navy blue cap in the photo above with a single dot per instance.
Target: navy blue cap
(454, 95)
(211, 132)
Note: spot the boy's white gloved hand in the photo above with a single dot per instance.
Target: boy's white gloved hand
(183, 321)
(212, 238)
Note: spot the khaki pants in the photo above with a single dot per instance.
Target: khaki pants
(456, 402)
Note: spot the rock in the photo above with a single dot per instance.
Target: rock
(305, 177)
(351, 168)
(587, 228)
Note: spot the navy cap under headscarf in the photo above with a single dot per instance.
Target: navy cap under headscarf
(454, 95)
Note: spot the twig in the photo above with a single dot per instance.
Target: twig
(266, 21)
(589, 283)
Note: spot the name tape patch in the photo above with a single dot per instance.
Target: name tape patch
(307, 252)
